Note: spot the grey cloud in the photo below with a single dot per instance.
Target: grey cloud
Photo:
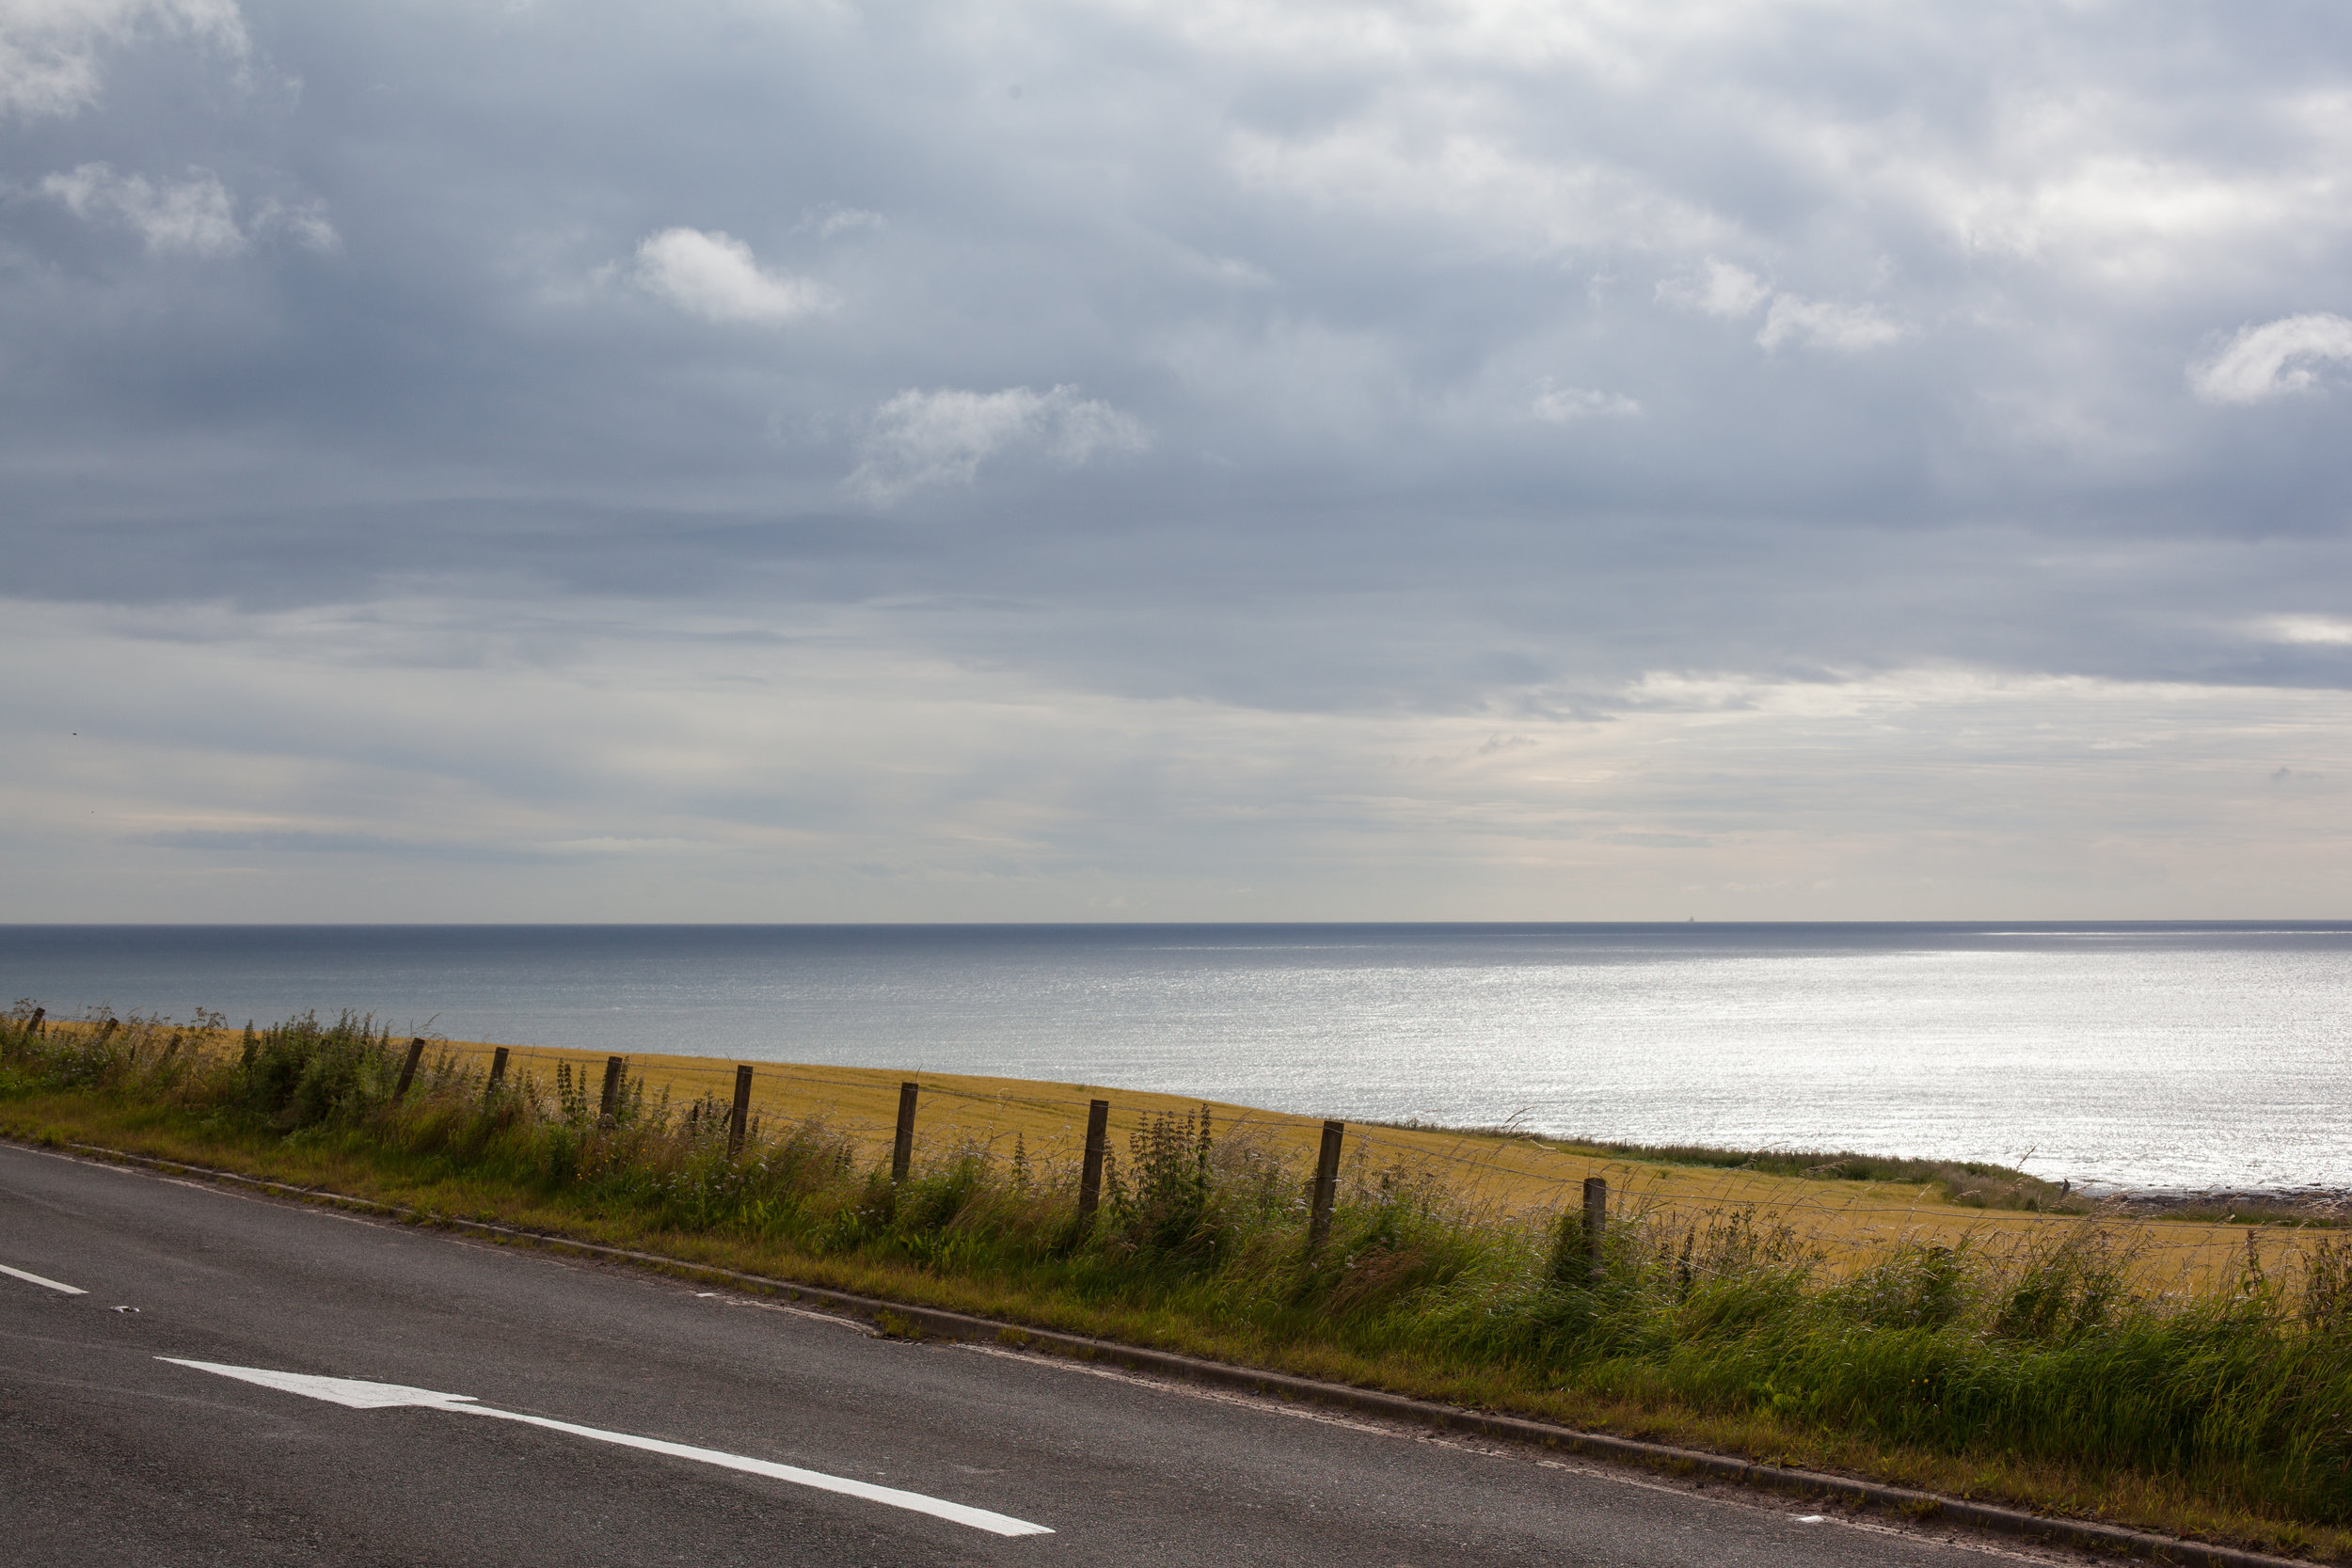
(276, 841)
(1416, 362)
(272, 842)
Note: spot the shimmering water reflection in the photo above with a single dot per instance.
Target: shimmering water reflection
(2143, 1054)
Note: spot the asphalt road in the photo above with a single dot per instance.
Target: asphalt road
(109, 1454)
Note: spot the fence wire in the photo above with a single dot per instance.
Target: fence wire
(1522, 1177)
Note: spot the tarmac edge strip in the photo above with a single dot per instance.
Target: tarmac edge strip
(1916, 1506)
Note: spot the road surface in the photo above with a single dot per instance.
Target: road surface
(182, 1409)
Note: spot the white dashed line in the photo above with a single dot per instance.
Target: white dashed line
(37, 1279)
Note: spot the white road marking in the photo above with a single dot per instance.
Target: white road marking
(349, 1392)
(728, 1299)
(356, 1395)
(37, 1279)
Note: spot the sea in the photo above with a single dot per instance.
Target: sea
(2134, 1056)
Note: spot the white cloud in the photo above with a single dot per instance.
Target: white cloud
(1567, 405)
(921, 438)
(1848, 328)
(48, 49)
(1430, 163)
(196, 216)
(714, 276)
(307, 223)
(2325, 631)
(2127, 219)
(1229, 271)
(2272, 359)
(834, 220)
(1721, 289)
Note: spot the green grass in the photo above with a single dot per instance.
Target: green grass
(2043, 1376)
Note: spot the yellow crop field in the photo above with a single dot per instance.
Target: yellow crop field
(1851, 1222)
(1502, 1177)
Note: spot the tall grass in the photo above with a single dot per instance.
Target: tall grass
(2040, 1350)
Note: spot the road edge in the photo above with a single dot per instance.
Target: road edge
(900, 1317)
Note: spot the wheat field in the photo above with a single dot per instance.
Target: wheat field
(1851, 1223)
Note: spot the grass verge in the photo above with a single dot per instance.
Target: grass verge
(2038, 1377)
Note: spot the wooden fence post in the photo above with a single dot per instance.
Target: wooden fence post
(741, 1116)
(903, 1147)
(1595, 1220)
(498, 1072)
(409, 1067)
(614, 1067)
(39, 1025)
(1326, 1189)
(1091, 1174)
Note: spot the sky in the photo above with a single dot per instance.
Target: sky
(747, 460)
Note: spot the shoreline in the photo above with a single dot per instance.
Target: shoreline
(1955, 1041)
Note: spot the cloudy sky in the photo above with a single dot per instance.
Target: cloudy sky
(1463, 459)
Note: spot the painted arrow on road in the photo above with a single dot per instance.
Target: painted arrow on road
(355, 1395)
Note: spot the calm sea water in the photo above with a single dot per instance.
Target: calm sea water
(2131, 1055)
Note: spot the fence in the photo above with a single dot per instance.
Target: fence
(1848, 1222)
